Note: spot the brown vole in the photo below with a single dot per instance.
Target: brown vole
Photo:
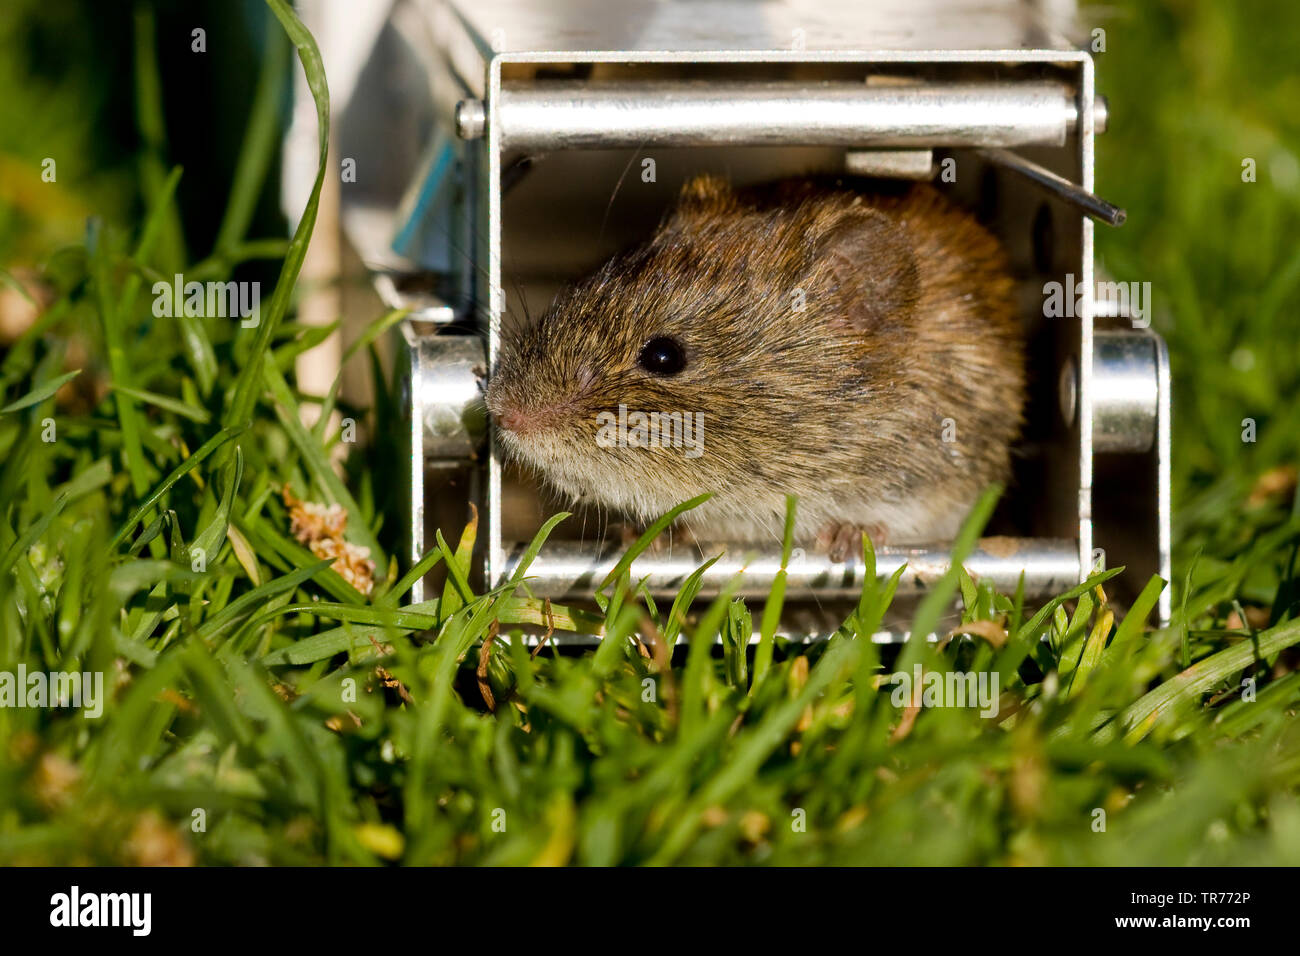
(857, 349)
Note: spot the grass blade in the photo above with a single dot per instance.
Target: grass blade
(246, 387)
(181, 470)
(647, 538)
(40, 393)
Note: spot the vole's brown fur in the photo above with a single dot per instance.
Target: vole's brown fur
(907, 337)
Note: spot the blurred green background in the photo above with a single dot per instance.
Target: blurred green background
(1196, 88)
(71, 87)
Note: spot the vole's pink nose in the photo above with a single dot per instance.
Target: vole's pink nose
(524, 421)
(513, 420)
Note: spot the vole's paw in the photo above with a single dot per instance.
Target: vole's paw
(841, 539)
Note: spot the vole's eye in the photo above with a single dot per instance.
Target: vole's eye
(662, 356)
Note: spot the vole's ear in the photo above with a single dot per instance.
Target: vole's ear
(703, 195)
(871, 260)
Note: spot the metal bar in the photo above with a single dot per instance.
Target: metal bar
(1164, 501)
(1086, 143)
(1078, 197)
(412, 372)
(568, 570)
(563, 114)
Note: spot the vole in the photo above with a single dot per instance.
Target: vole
(857, 348)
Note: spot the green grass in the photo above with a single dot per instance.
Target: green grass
(256, 691)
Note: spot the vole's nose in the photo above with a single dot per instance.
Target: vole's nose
(513, 420)
(527, 420)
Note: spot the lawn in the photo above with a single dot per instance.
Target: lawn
(163, 516)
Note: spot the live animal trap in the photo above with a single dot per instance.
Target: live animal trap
(504, 127)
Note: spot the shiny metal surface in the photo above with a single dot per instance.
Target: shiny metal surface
(470, 118)
(915, 164)
(1131, 412)
(563, 114)
(421, 306)
(446, 376)
(1164, 477)
(1068, 392)
(1087, 173)
(647, 26)
(568, 570)
(1126, 391)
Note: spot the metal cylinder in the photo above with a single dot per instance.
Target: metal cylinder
(446, 375)
(470, 118)
(567, 570)
(1125, 391)
(563, 114)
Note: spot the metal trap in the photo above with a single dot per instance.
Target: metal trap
(503, 129)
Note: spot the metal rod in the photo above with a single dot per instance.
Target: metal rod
(568, 570)
(562, 114)
(1059, 186)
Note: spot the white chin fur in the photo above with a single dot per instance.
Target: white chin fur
(757, 518)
